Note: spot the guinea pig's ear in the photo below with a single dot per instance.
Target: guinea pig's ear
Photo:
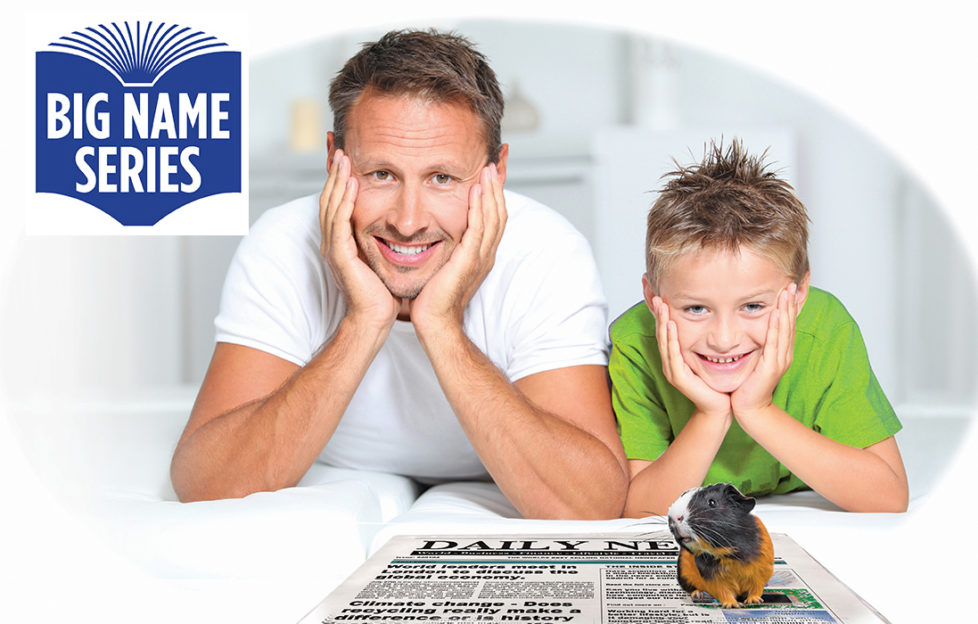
(736, 498)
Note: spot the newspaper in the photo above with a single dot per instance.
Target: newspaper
(609, 579)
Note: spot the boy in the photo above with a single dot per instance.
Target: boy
(734, 369)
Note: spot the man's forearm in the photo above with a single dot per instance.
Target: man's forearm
(546, 466)
(269, 443)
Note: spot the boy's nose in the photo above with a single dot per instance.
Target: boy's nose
(724, 335)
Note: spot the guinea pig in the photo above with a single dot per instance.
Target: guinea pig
(724, 549)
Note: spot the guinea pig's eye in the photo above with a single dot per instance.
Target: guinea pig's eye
(712, 502)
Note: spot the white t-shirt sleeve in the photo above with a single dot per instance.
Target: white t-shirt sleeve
(274, 276)
(555, 311)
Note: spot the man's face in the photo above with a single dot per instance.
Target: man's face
(415, 163)
(721, 302)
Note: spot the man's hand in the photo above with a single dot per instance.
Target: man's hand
(677, 371)
(757, 391)
(443, 299)
(367, 298)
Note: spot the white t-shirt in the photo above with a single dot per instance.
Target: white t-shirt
(540, 308)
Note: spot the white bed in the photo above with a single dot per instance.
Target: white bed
(271, 557)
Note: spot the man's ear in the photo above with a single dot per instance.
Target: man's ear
(330, 149)
(803, 289)
(648, 293)
(501, 165)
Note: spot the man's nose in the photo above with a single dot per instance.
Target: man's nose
(407, 216)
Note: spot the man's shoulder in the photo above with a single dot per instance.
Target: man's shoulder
(528, 218)
(298, 219)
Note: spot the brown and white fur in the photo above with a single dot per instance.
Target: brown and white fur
(724, 549)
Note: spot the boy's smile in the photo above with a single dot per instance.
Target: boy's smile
(721, 302)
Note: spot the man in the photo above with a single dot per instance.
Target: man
(402, 331)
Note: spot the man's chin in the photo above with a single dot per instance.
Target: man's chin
(404, 291)
(403, 283)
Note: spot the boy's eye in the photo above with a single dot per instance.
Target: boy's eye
(753, 307)
(695, 309)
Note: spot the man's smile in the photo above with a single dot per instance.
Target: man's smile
(406, 254)
(407, 250)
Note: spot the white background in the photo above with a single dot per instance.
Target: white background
(904, 74)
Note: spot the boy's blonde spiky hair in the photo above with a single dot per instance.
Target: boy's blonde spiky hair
(729, 199)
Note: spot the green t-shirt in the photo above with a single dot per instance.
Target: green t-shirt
(829, 387)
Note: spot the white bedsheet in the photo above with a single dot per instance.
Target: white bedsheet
(279, 553)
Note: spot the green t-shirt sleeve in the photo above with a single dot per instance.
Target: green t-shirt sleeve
(643, 423)
(853, 409)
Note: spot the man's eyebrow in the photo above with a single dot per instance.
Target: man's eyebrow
(455, 169)
(371, 164)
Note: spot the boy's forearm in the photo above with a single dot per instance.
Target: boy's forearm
(853, 478)
(682, 466)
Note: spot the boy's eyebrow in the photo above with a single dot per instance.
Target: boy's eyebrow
(761, 293)
(682, 296)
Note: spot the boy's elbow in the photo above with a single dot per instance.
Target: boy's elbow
(895, 501)
(900, 501)
(897, 505)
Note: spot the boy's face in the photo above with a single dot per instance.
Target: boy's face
(721, 302)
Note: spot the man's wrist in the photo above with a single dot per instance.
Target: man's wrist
(362, 330)
(443, 333)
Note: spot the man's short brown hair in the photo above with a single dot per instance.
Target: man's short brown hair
(729, 199)
(435, 66)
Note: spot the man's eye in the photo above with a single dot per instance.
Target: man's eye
(382, 175)
(441, 178)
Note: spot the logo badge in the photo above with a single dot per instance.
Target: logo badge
(141, 121)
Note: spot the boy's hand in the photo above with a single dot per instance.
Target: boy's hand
(367, 298)
(757, 391)
(443, 299)
(677, 371)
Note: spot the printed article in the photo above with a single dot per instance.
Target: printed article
(608, 579)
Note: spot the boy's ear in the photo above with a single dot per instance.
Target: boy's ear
(803, 289)
(648, 293)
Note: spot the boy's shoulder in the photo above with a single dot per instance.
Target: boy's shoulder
(823, 312)
(635, 321)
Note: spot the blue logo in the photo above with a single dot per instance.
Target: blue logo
(138, 119)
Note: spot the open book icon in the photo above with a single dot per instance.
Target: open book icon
(138, 55)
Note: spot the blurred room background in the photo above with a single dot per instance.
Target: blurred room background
(593, 119)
